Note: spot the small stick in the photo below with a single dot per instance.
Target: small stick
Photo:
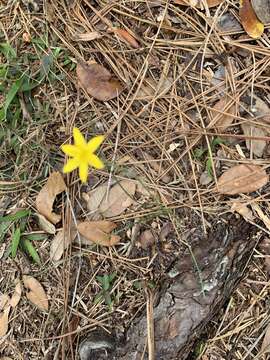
(150, 325)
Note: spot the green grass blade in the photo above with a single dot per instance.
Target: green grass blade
(11, 95)
(7, 50)
(13, 217)
(36, 237)
(28, 247)
(4, 229)
(15, 242)
(106, 282)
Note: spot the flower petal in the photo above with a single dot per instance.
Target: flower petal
(95, 161)
(83, 171)
(94, 143)
(71, 165)
(78, 137)
(70, 150)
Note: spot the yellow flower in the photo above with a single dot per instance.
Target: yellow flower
(82, 154)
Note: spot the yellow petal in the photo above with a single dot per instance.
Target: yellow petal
(70, 150)
(95, 161)
(83, 171)
(94, 143)
(71, 165)
(78, 137)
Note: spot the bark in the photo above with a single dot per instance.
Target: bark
(192, 294)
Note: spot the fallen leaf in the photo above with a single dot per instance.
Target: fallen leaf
(71, 328)
(165, 231)
(223, 114)
(242, 210)
(259, 107)
(94, 198)
(249, 20)
(45, 225)
(120, 197)
(60, 242)
(90, 36)
(262, 10)
(45, 199)
(146, 239)
(98, 232)
(243, 178)
(265, 348)
(98, 81)
(15, 298)
(198, 3)
(126, 37)
(36, 293)
(4, 301)
(205, 178)
(154, 88)
(4, 321)
(228, 22)
(257, 146)
(265, 219)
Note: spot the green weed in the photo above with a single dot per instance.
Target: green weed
(203, 154)
(106, 282)
(17, 223)
(22, 75)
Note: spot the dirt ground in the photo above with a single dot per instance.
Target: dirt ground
(191, 104)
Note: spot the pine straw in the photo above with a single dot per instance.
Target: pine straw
(241, 328)
(185, 49)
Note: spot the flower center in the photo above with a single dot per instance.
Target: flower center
(84, 154)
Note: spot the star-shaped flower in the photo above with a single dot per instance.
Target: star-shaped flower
(82, 154)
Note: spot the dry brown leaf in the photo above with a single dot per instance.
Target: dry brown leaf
(146, 239)
(259, 107)
(36, 293)
(45, 225)
(126, 37)
(262, 10)
(45, 199)
(120, 197)
(205, 178)
(60, 242)
(242, 210)
(228, 22)
(265, 219)
(257, 146)
(15, 298)
(146, 92)
(4, 321)
(93, 198)
(249, 20)
(98, 81)
(198, 3)
(242, 178)
(4, 301)
(165, 231)
(90, 36)
(222, 114)
(265, 348)
(98, 232)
